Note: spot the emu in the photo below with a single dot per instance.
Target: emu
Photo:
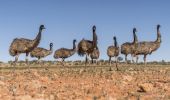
(86, 47)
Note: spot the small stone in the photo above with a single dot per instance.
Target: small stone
(2, 78)
(111, 98)
(127, 78)
(2, 83)
(24, 97)
(145, 87)
(52, 97)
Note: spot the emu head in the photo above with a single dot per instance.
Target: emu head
(42, 27)
(115, 41)
(94, 28)
(158, 26)
(114, 38)
(51, 44)
(74, 41)
(134, 30)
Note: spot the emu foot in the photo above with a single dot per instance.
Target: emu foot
(110, 69)
(117, 69)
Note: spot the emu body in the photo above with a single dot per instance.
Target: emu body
(95, 55)
(23, 45)
(130, 47)
(64, 53)
(113, 51)
(39, 52)
(86, 47)
(147, 47)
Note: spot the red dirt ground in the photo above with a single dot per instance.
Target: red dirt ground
(86, 84)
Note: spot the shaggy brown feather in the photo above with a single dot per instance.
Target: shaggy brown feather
(22, 45)
(95, 54)
(113, 51)
(86, 47)
(146, 47)
(64, 52)
(130, 47)
(39, 52)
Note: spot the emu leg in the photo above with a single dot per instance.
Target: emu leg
(133, 58)
(92, 61)
(38, 60)
(97, 62)
(63, 61)
(137, 59)
(16, 58)
(126, 58)
(86, 60)
(15, 62)
(110, 61)
(26, 60)
(144, 59)
(116, 64)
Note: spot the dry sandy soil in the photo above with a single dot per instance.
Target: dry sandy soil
(132, 82)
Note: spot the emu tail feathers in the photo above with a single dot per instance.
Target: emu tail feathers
(80, 50)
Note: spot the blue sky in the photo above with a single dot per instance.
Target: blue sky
(66, 20)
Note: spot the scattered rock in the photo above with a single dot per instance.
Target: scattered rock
(162, 71)
(2, 83)
(2, 78)
(110, 98)
(24, 97)
(36, 74)
(145, 87)
(127, 78)
(33, 85)
(44, 79)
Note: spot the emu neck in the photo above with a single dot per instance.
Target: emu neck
(51, 48)
(94, 39)
(158, 40)
(135, 39)
(37, 39)
(74, 46)
(115, 43)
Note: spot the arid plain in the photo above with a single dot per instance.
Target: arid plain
(77, 82)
